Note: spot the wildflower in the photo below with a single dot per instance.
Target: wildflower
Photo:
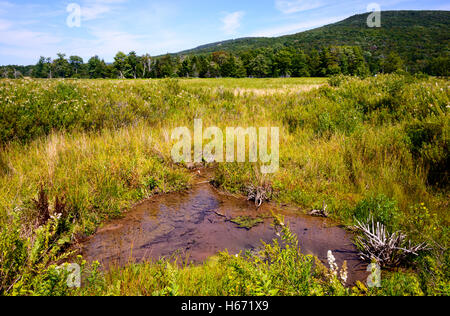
(332, 263)
(344, 273)
(56, 217)
(334, 269)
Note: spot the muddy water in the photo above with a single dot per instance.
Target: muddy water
(196, 223)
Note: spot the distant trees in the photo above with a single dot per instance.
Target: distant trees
(279, 61)
(232, 66)
(97, 68)
(329, 62)
(44, 68)
(315, 63)
(61, 67)
(121, 65)
(282, 63)
(165, 67)
(260, 66)
(185, 68)
(392, 63)
(133, 64)
(14, 72)
(439, 66)
(412, 41)
(76, 66)
(146, 63)
(300, 66)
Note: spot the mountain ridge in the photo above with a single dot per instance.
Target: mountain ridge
(411, 25)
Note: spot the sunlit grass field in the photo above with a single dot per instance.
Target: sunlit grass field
(254, 83)
(375, 147)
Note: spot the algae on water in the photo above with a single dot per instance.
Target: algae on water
(247, 222)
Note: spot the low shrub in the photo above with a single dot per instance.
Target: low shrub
(381, 208)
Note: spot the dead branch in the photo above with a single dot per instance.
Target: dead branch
(320, 213)
(259, 194)
(387, 249)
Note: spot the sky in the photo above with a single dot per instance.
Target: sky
(30, 29)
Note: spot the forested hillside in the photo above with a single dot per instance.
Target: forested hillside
(407, 41)
(417, 36)
(424, 31)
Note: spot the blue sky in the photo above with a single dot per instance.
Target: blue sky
(29, 29)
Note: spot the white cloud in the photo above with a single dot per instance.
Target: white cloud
(107, 42)
(232, 21)
(294, 6)
(26, 38)
(296, 27)
(25, 45)
(94, 12)
(4, 6)
(94, 9)
(4, 25)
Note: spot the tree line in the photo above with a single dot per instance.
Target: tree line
(255, 63)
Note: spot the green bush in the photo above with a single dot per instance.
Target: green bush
(399, 284)
(435, 274)
(325, 124)
(429, 143)
(380, 208)
(13, 256)
(27, 265)
(336, 81)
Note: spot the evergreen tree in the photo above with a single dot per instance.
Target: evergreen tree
(165, 67)
(329, 62)
(39, 70)
(300, 65)
(228, 67)
(185, 68)
(97, 68)
(314, 63)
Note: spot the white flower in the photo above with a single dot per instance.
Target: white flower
(56, 217)
(334, 269)
(344, 276)
(332, 262)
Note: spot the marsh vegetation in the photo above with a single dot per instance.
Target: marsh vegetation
(76, 154)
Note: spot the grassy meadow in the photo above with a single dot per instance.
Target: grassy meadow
(90, 149)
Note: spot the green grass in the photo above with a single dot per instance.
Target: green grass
(247, 222)
(256, 83)
(378, 146)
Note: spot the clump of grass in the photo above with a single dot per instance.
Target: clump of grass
(247, 222)
(101, 175)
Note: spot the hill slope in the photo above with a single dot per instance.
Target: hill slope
(413, 34)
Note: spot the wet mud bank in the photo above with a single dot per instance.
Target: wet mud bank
(197, 223)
